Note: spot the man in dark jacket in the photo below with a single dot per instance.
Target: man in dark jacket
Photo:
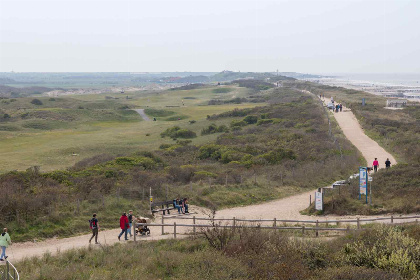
(124, 225)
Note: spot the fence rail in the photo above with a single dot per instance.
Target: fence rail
(358, 220)
(8, 272)
(194, 226)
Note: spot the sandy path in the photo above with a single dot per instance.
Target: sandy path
(142, 114)
(286, 208)
(354, 132)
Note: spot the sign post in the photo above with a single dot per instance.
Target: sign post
(363, 179)
(319, 200)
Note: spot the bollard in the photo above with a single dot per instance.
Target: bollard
(358, 223)
(194, 225)
(392, 219)
(175, 230)
(310, 200)
(163, 230)
(316, 232)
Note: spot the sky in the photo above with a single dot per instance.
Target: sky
(340, 36)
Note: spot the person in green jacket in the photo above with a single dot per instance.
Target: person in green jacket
(5, 241)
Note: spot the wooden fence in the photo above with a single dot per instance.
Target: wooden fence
(8, 271)
(274, 222)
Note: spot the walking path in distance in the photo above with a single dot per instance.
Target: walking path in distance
(142, 114)
(286, 208)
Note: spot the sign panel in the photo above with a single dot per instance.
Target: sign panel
(319, 201)
(363, 177)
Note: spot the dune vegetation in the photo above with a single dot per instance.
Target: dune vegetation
(272, 150)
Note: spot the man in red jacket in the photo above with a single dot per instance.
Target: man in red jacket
(124, 225)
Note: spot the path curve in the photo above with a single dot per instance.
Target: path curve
(142, 114)
(285, 208)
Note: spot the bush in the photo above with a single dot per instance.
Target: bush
(36, 101)
(177, 132)
(265, 121)
(251, 119)
(237, 123)
(212, 151)
(387, 248)
(214, 129)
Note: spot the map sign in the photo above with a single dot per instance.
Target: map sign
(363, 178)
(319, 201)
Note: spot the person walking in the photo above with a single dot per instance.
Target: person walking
(124, 225)
(94, 226)
(130, 222)
(341, 107)
(387, 163)
(375, 165)
(5, 241)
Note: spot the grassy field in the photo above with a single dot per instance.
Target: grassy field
(46, 135)
(377, 253)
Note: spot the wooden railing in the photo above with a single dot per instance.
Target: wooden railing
(8, 271)
(274, 222)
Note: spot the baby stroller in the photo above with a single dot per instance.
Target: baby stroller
(142, 229)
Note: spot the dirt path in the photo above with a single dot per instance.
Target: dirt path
(142, 114)
(354, 132)
(286, 208)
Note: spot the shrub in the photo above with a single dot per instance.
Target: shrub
(265, 121)
(212, 151)
(237, 123)
(176, 132)
(36, 101)
(251, 119)
(277, 155)
(387, 248)
(214, 129)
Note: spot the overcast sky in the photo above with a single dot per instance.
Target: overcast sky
(370, 36)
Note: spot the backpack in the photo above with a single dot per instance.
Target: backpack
(92, 224)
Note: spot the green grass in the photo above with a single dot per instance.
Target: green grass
(47, 135)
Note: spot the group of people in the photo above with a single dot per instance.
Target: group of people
(338, 107)
(181, 205)
(126, 223)
(376, 164)
(5, 241)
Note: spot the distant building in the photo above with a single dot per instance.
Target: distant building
(396, 103)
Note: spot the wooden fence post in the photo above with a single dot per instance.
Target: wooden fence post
(194, 225)
(303, 230)
(175, 230)
(134, 232)
(234, 223)
(310, 200)
(392, 219)
(163, 230)
(275, 222)
(358, 223)
(316, 232)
